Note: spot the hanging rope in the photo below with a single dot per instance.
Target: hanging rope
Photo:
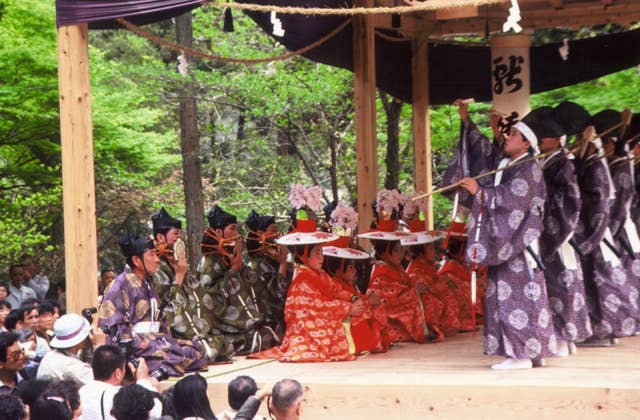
(201, 54)
(426, 6)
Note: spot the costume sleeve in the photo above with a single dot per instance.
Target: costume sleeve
(594, 213)
(624, 194)
(562, 208)
(115, 314)
(249, 409)
(511, 216)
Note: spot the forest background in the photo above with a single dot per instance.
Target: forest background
(260, 128)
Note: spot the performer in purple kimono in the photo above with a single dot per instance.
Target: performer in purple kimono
(605, 278)
(506, 221)
(621, 225)
(563, 273)
(129, 311)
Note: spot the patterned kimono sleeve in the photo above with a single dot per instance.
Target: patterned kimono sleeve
(621, 174)
(562, 208)
(511, 216)
(482, 155)
(594, 213)
(114, 313)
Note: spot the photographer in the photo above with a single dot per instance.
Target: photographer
(109, 368)
(72, 336)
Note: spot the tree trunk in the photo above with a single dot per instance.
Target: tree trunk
(392, 108)
(190, 147)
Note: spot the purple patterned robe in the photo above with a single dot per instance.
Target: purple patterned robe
(517, 315)
(622, 176)
(565, 284)
(605, 281)
(127, 302)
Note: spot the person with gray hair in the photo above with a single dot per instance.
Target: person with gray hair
(286, 400)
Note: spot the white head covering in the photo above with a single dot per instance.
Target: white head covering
(528, 133)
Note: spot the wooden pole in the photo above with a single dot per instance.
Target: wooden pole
(421, 123)
(78, 184)
(365, 116)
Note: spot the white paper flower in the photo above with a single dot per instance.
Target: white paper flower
(309, 197)
(344, 217)
(388, 201)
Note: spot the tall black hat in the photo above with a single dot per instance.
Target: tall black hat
(572, 117)
(134, 245)
(604, 120)
(255, 222)
(530, 124)
(633, 130)
(219, 219)
(162, 221)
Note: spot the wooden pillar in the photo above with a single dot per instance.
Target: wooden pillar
(365, 116)
(510, 74)
(78, 184)
(421, 123)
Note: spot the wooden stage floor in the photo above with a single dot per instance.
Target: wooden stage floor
(452, 379)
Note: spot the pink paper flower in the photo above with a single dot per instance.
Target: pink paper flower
(388, 201)
(343, 217)
(412, 208)
(309, 197)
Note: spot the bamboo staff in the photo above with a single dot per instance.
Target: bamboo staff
(588, 136)
(625, 120)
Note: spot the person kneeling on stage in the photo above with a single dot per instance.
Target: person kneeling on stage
(129, 312)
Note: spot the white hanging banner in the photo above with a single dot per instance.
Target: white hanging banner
(510, 76)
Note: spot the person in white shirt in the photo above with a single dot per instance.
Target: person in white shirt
(238, 391)
(109, 369)
(34, 277)
(72, 335)
(18, 292)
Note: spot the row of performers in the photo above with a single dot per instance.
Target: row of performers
(557, 226)
(268, 309)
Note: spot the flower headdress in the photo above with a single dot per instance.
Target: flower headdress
(412, 208)
(344, 219)
(388, 204)
(305, 198)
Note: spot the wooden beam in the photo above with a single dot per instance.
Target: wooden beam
(365, 116)
(556, 4)
(421, 124)
(78, 184)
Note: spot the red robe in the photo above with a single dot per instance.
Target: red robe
(404, 310)
(459, 277)
(369, 330)
(441, 308)
(315, 312)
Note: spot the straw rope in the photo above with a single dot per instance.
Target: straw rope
(201, 54)
(426, 6)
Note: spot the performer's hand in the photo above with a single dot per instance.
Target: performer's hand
(374, 299)
(494, 122)
(357, 308)
(463, 108)
(470, 185)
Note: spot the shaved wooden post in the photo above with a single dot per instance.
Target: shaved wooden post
(78, 184)
(365, 116)
(421, 123)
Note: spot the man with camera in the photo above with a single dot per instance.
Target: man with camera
(72, 337)
(109, 366)
(130, 312)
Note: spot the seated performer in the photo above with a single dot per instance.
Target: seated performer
(269, 260)
(242, 303)
(399, 293)
(184, 302)
(457, 274)
(506, 221)
(317, 311)
(441, 308)
(129, 311)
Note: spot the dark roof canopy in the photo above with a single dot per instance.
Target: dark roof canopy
(454, 70)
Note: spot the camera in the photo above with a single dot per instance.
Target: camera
(127, 345)
(88, 313)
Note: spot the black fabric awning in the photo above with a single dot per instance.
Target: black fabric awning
(454, 70)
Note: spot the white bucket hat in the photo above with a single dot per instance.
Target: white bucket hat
(422, 238)
(69, 330)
